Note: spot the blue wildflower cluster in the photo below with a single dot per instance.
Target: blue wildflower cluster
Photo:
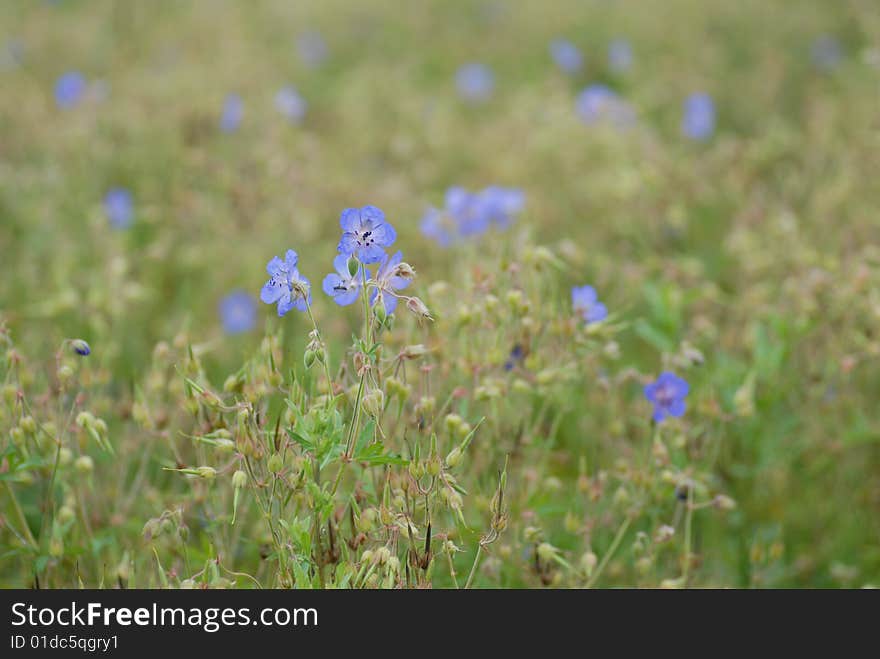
(365, 236)
(469, 214)
(233, 111)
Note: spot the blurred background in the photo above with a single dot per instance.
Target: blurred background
(709, 166)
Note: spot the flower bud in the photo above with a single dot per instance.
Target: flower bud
(208, 473)
(84, 464)
(309, 358)
(65, 373)
(724, 502)
(28, 425)
(80, 347)
(239, 479)
(454, 457)
(418, 307)
(588, 563)
(275, 463)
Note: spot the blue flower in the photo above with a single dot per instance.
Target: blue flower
(598, 103)
(475, 82)
(387, 281)
(289, 103)
(698, 122)
(826, 52)
(517, 354)
(468, 210)
(439, 226)
(586, 304)
(80, 347)
(233, 110)
(119, 208)
(286, 286)
(238, 312)
(620, 55)
(344, 286)
(69, 89)
(365, 233)
(567, 56)
(667, 393)
(501, 204)
(312, 48)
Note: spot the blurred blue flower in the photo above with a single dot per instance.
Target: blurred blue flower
(388, 281)
(81, 348)
(312, 48)
(826, 52)
(119, 208)
(365, 233)
(698, 121)
(667, 393)
(468, 211)
(598, 103)
(286, 286)
(439, 226)
(586, 304)
(289, 103)
(233, 111)
(475, 82)
(517, 354)
(567, 56)
(620, 57)
(502, 204)
(238, 312)
(341, 285)
(70, 89)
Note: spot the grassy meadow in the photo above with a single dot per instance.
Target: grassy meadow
(704, 415)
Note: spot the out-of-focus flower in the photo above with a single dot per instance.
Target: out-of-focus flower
(365, 234)
(468, 211)
(119, 208)
(598, 103)
(567, 56)
(289, 103)
(826, 52)
(238, 312)
(475, 82)
(439, 226)
(70, 89)
(342, 285)
(667, 393)
(80, 347)
(698, 120)
(312, 48)
(502, 204)
(586, 304)
(233, 111)
(387, 282)
(286, 286)
(620, 57)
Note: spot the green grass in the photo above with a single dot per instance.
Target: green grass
(748, 264)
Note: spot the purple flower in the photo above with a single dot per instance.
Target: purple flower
(238, 312)
(80, 347)
(598, 103)
(586, 304)
(365, 233)
(312, 48)
(475, 82)
(620, 55)
(698, 122)
(286, 287)
(119, 208)
(289, 103)
(468, 210)
(667, 393)
(502, 204)
(567, 56)
(341, 285)
(70, 89)
(439, 226)
(388, 281)
(516, 357)
(233, 110)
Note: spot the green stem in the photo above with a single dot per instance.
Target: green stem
(608, 554)
(685, 570)
(21, 518)
(470, 578)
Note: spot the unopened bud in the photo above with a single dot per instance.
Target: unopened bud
(208, 473)
(275, 463)
(239, 479)
(84, 464)
(80, 347)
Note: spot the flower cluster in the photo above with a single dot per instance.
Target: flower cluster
(468, 213)
(365, 235)
(586, 304)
